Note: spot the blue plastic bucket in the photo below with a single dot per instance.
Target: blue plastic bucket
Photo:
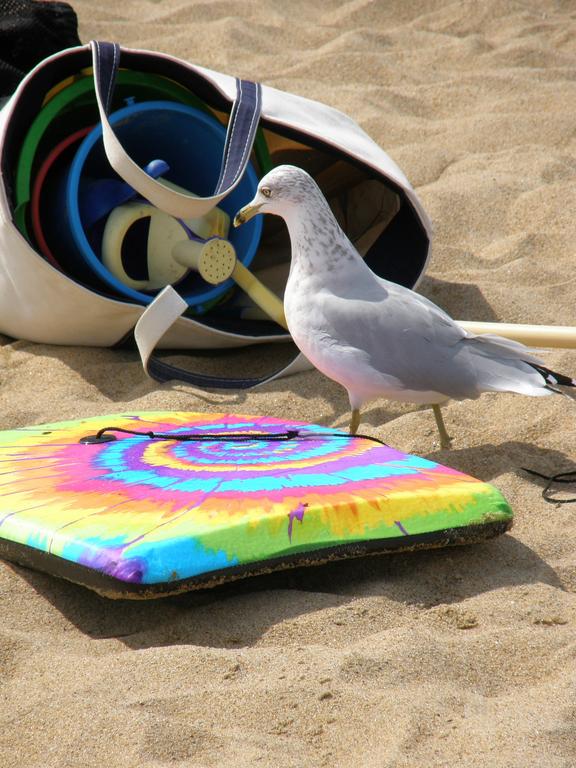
(192, 143)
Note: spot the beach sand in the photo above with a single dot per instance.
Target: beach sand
(456, 657)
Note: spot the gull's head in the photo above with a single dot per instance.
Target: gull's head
(282, 190)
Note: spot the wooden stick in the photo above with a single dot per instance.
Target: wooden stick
(553, 336)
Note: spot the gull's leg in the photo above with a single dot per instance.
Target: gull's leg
(354, 421)
(445, 439)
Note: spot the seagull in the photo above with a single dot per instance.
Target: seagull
(374, 337)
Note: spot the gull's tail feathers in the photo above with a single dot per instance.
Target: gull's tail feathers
(490, 344)
(513, 367)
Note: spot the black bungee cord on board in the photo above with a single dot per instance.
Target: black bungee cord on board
(105, 435)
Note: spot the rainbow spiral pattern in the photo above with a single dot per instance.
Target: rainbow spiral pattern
(151, 511)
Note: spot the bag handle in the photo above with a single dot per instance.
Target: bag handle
(240, 136)
(168, 305)
(158, 317)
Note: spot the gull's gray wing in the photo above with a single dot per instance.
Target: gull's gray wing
(404, 335)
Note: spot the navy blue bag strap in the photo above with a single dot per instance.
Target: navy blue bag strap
(240, 136)
(162, 372)
(155, 321)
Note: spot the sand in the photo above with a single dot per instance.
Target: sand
(461, 657)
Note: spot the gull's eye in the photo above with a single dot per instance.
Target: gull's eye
(266, 191)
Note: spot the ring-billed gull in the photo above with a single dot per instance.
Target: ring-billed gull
(372, 336)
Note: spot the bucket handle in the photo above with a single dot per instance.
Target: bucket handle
(240, 136)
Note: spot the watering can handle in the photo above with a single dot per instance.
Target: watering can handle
(240, 136)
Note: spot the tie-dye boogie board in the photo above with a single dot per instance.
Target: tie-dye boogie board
(197, 499)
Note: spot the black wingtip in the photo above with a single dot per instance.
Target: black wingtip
(554, 378)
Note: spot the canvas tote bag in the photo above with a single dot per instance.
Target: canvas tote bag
(369, 194)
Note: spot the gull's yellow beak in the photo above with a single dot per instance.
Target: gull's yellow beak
(246, 213)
